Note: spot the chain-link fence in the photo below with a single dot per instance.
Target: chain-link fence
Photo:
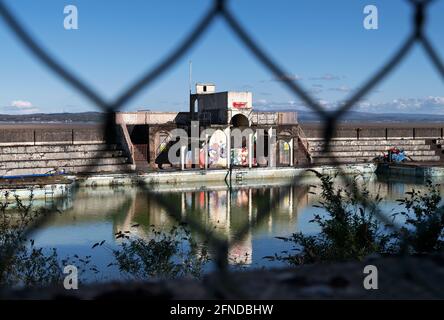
(220, 10)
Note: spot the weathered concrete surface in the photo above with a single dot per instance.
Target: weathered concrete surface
(398, 278)
(56, 148)
(47, 191)
(350, 159)
(333, 148)
(353, 150)
(378, 130)
(256, 174)
(88, 168)
(46, 188)
(365, 154)
(47, 134)
(61, 163)
(414, 170)
(367, 142)
(72, 158)
(61, 156)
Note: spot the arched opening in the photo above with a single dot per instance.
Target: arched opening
(284, 148)
(239, 120)
(284, 152)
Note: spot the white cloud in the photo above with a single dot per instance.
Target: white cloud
(426, 105)
(20, 107)
(289, 77)
(21, 104)
(326, 77)
(341, 89)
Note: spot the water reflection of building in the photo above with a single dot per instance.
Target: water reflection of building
(224, 213)
(217, 208)
(220, 210)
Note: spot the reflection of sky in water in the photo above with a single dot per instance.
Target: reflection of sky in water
(97, 214)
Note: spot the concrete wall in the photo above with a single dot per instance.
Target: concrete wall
(274, 118)
(26, 135)
(379, 131)
(150, 117)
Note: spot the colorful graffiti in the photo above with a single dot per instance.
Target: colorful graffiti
(217, 151)
(239, 156)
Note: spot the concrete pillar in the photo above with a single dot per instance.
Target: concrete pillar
(182, 157)
(250, 150)
(206, 151)
(291, 152)
(228, 145)
(271, 148)
(195, 143)
(277, 152)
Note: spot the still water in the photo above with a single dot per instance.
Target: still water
(92, 215)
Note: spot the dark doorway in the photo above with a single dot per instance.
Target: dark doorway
(239, 120)
(140, 138)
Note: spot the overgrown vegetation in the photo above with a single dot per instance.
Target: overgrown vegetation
(350, 228)
(165, 255)
(21, 262)
(423, 229)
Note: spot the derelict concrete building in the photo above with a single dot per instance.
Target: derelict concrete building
(215, 116)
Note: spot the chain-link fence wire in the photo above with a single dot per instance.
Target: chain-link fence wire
(330, 119)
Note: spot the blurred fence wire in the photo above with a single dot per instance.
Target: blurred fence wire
(220, 10)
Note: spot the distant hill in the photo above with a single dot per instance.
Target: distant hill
(82, 117)
(354, 116)
(303, 116)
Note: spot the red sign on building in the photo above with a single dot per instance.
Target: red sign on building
(239, 105)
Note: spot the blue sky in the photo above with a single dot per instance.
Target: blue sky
(320, 43)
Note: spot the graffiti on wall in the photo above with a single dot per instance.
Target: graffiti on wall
(217, 151)
(239, 156)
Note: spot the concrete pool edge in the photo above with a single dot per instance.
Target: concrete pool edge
(169, 178)
(419, 171)
(238, 174)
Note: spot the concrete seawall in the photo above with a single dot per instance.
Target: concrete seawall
(357, 143)
(411, 170)
(257, 174)
(178, 179)
(380, 130)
